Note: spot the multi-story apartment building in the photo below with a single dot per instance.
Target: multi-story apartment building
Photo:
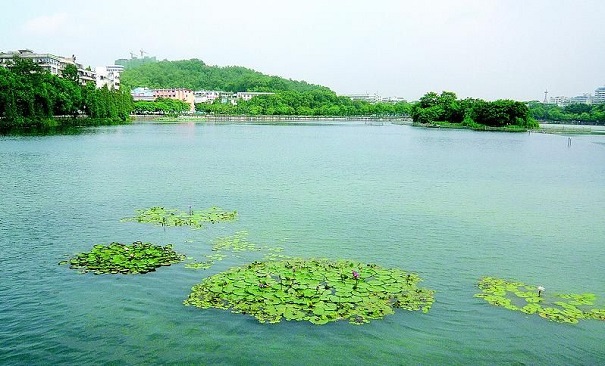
(109, 76)
(52, 63)
(599, 95)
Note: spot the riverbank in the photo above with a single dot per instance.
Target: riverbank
(57, 124)
(460, 126)
(544, 128)
(270, 119)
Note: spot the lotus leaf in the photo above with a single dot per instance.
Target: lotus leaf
(562, 308)
(121, 258)
(172, 217)
(315, 290)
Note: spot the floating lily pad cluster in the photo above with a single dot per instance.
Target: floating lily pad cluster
(237, 242)
(563, 308)
(121, 258)
(172, 217)
(234, 244)
(316, 290)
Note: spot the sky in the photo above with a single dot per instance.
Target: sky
(489, 49)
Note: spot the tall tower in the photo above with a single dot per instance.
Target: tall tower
(545, 96)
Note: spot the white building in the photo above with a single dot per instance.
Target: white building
(560, 100)
(145, 94)
(249, 95)
(372, 98)
(53, 64)
(599, 95)
(109, 76)
(581, 99)
(206, 96)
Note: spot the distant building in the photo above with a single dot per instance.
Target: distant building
(394, 99)
(182, 94)
(581, 99)
(372, 98)
(560, 100)
(249, 95)
(134, 61)
(599, 95)
(53, 64)
(109, 76)
(144, 94)
(206, 96)
(209, 96)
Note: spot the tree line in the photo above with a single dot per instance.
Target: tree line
(436, 109)
(573, 113)
(305, 103)
(32, 97)
(164, 106)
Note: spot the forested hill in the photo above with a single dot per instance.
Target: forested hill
(195, 74)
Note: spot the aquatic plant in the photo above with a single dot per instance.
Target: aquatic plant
(234, 245)
(237, 242)
(118, 258)
(171, 217)
(517, 296)
(315, 290)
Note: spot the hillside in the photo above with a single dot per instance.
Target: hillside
(195, 74)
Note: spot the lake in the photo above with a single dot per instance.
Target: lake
(450, 205)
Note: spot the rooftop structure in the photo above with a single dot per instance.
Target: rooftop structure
(135, 61)
(52, 63)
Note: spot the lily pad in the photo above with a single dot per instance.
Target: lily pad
(517, 296)
(172, 217)
(315, 290)
(121, 258)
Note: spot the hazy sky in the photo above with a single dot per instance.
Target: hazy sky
(476, 48)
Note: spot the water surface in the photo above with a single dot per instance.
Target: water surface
(452, 205)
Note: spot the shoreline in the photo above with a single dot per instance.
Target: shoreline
(272, 118)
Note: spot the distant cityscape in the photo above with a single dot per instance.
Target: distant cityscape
(586, 98)
(109, 76)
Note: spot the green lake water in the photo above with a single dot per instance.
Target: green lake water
(451, 205)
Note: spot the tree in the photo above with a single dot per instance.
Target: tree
(70, 72)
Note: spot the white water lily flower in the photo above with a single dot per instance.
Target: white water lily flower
(540, 288)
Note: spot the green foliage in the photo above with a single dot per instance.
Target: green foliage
(120, 258)
(316, 290)
(70, 72)
(573, 113)
(290, 98)
(160, 106)
(171, 217)
(306, 103)
(194, 74)
(517, 296)
(474, 113)
(31, 97)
